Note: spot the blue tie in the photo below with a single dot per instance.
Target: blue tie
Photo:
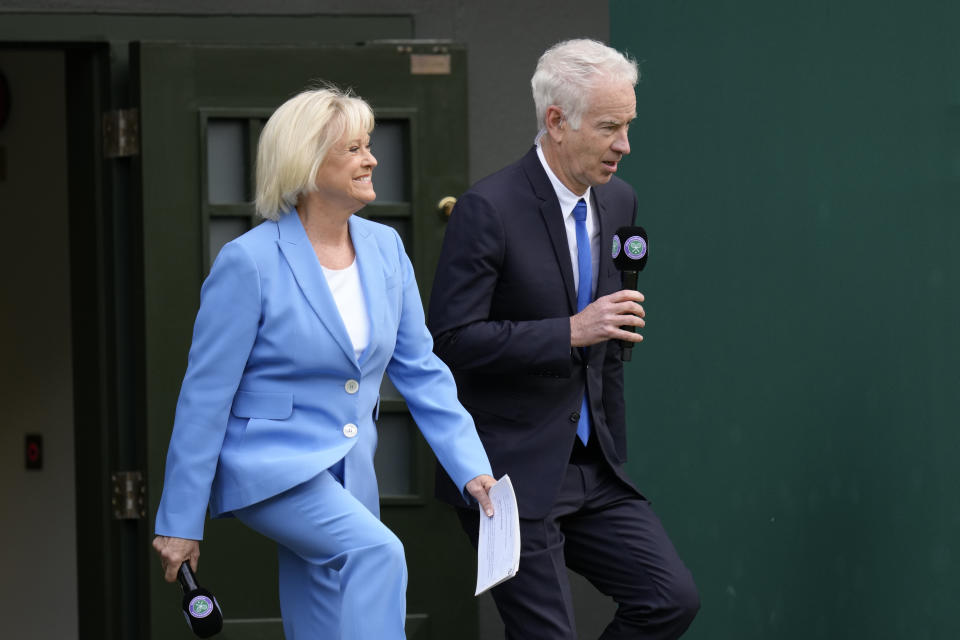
(585, 270)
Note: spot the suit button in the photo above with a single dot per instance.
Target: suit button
(352, 386)
(350, 430)
(575, 416)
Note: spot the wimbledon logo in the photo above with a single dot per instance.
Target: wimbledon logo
(200, 607)
(616, 247)
(635, 247)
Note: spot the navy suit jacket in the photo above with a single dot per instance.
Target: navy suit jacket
(500, 316)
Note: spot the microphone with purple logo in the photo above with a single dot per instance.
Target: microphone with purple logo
(200, 608)
(629, 257)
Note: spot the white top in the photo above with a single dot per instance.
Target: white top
(348, 294)
(568, 200)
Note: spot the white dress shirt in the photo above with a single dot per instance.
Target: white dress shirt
(568, 200)
(348, 295)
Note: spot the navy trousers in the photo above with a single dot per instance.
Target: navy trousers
(608, 533)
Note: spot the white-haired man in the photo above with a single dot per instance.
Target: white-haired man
(527, 311)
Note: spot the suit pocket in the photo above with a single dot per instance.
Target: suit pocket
(263, 404)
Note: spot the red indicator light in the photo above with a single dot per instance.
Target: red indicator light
(34, 451)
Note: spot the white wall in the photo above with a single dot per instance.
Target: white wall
(38, 555)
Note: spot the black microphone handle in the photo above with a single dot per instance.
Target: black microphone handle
(188, 581)
(629, 280)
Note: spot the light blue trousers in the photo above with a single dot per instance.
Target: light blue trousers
(342, 572)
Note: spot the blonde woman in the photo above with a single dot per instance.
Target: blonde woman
(299, 320)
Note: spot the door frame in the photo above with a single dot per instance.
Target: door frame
(86, 65)
(104, 358)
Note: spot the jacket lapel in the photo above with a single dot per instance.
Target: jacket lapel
(298, 251)
(372, 279)
(603, 217)
(553, 220)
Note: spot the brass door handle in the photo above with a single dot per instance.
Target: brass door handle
(445, 206)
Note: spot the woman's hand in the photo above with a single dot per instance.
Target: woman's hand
(174, 552)
(479, 487)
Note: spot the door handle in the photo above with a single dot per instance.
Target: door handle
(445, 206)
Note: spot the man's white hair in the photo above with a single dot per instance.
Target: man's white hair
(568, 72)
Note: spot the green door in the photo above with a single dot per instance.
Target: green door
(201, 110)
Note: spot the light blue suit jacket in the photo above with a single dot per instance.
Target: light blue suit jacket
(273, 393)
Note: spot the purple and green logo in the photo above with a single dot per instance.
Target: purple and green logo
(615, 251)
(200, 607)
(635, 247)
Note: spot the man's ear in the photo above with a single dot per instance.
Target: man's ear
(556, 123)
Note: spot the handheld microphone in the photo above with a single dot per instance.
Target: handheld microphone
(200, 607)
(629, 255)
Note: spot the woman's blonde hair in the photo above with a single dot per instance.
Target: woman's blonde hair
(296, 140)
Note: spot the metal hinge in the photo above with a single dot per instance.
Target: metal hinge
(121, 133)
(129, 495)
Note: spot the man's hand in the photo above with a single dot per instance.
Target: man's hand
(601, 319)
(174, 552)
(479, 487)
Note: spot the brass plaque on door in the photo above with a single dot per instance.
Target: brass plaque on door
(430, 64)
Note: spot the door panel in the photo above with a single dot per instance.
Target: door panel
(201, 110)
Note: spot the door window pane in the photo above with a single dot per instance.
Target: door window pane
(226, 161)
(222, 231)
(389, 139)
(395, 451)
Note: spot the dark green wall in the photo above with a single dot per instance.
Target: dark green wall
(793, 408)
